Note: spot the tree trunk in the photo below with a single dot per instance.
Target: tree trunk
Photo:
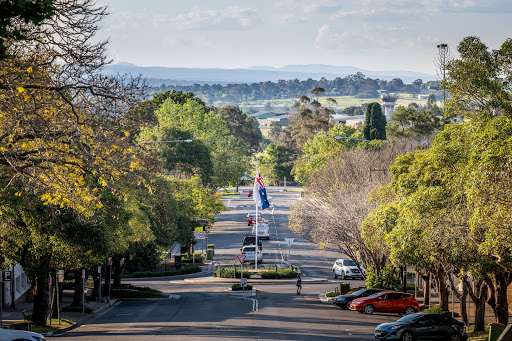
(79, 289)
(426, 287)
(463, 305)
(502, 280)
(97, 285)
(40, 310)
(441, 287)
(479, 296)
(118, 270)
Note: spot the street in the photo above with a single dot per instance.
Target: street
(202, 309)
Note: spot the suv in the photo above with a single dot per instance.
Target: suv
(251, 255)
(347, 269)
(251, 240)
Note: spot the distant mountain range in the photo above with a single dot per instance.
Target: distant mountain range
(157, 75)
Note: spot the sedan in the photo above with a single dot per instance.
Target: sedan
(422, 326)
(386, 301)
(19, 335)
(342, 301)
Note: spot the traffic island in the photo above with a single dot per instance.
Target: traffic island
(237, 290)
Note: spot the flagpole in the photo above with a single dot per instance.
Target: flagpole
(256, 227)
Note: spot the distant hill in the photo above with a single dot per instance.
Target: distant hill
(157, 75)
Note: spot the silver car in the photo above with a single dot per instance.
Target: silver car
(19, 335)
(249, 251)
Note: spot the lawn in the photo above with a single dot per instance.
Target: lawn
(342, 102)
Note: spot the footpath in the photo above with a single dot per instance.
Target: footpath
(11, 315)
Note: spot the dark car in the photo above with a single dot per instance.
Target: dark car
(249, 239)
(342, 301)
(386, 302)
(421, 326)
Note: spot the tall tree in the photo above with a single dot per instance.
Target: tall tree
(375, 123)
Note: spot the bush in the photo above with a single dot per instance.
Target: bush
(332, 294)
(437, 309)
(197, 257)
(237, 287)
(269, 272)
(182, 271)
(229, 272)
(387, 280)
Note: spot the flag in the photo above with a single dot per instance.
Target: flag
(260, 193)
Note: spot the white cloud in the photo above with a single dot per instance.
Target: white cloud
(229, 18)
(309, 7)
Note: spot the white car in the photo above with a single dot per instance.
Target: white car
(347, 269)
(19, 335)
(249, 251)
(263, 230)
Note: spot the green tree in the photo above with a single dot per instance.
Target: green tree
(375, 123)
(241, 126)
(478, 81)
(274, 164)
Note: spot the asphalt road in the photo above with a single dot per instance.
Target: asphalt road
(206, 311)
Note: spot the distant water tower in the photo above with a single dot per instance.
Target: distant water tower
(389, 102)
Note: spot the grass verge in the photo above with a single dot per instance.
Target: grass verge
(136, 292)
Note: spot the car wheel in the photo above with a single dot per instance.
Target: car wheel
(334, 274)
(407, 336)
(409, 310)
(455, 337)
(369, 309)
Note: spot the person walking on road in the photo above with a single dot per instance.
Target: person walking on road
(299, 283)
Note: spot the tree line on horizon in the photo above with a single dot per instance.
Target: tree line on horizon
(352, 85)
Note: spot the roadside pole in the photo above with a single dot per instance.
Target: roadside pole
(1, 303)
(83, 292)
(99, 272)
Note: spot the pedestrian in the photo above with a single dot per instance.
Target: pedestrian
(299, 283)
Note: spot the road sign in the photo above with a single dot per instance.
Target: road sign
(6, 276)
(243, 282)
(199, 235)
(241, 258)
(289, 241)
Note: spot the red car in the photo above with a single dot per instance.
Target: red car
(250, 193)
(386, 301)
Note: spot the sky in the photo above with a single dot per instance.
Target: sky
(368, 34)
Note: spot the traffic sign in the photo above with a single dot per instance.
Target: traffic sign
(243, 282)
(199, 235)
(289, 241)
(6, 276)
(241, 258)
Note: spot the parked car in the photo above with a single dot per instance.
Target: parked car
(19, 335)
(386, 301)
(263, 230)
(343, 301)
(346, 269)
(251, 218)
(421, 326)
(250, 257)
(250, 193)
(251, 240)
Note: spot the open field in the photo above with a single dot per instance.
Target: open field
(342, 102)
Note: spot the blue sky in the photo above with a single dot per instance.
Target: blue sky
(369, 34)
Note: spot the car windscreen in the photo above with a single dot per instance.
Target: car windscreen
(349, 263)
(358, 292)
(409, 318)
